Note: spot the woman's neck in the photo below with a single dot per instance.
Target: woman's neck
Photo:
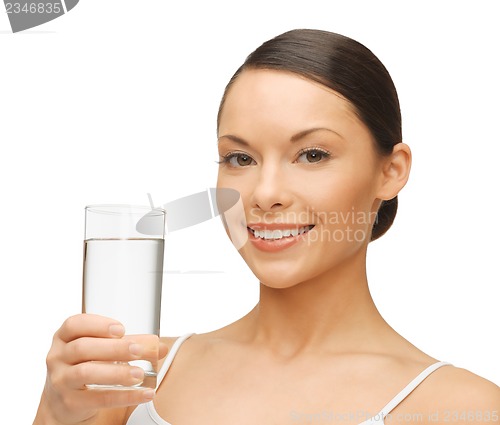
(334, 311)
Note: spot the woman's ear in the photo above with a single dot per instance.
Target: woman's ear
(395, 171)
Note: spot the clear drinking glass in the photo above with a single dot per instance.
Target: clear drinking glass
(122, 274)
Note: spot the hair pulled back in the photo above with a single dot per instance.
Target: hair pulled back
(349, 68)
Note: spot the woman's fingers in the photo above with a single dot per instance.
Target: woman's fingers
(94, 350)
(101, 398)
(99, 349)
(97, 373)
(89, 325)
(130, 347)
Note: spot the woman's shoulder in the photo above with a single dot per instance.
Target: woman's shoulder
(449, 394)
(461, 387)
(169, 342)
(453, 394)
(193, 343)
(449, 389)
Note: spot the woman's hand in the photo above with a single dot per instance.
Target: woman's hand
(91, 349)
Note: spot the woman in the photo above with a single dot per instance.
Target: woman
(309, 133)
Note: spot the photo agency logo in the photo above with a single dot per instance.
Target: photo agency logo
(28, 14)
(194, 209)
(188, 211)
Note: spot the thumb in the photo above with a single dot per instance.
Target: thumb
(163, 350)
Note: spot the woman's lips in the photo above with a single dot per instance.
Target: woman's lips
(276, 237)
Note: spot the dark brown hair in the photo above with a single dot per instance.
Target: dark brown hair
(349, 68)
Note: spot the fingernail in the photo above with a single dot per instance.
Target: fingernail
(148, 394)
(135, 349)
(137, 374)
(116, 330)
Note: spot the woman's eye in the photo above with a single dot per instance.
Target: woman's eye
(312, 155)
(238, 160)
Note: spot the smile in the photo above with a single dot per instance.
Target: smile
(279, 234)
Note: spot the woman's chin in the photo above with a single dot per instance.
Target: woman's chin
(279, 279)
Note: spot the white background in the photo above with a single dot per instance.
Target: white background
(118, 98)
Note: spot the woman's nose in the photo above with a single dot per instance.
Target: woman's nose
(271, 192)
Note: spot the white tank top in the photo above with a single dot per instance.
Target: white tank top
(146, 414)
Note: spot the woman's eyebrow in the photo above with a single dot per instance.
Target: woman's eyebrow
(235, 139)
(294, 138)
(305, 133)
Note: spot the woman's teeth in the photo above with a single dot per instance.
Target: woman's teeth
(278, 234)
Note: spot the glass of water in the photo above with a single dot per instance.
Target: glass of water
(122, 274)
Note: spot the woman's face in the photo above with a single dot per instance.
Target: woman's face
(307, 171)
